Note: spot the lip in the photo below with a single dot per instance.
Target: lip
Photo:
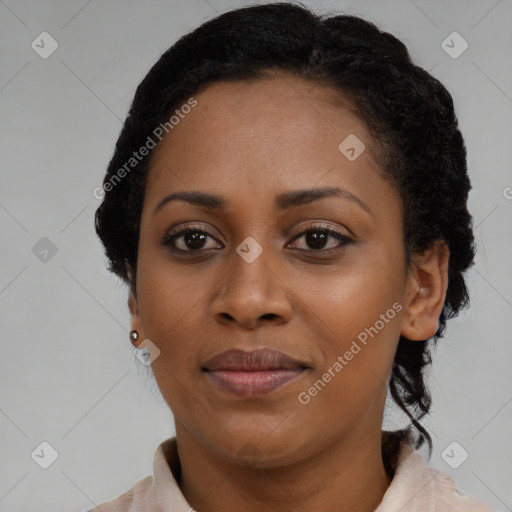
(254, 373)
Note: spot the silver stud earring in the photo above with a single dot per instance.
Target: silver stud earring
(134, 336)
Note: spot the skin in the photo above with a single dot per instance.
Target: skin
(249, 141)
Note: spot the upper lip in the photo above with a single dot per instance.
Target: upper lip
(261, 359)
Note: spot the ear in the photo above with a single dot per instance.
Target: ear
(427, 283)
(136, 323)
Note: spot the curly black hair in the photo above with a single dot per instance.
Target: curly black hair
(408, 112)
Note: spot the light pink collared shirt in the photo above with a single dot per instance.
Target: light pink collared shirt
(415, 487)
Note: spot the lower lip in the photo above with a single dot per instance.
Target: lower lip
(253, 383)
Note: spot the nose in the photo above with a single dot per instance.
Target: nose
(252, 294)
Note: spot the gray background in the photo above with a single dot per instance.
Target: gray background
(67, 372)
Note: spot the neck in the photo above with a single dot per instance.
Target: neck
(348, 474)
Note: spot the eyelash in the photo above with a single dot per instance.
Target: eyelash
(343, 239)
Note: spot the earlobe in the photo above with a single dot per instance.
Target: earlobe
(426, 292)
(136, 336)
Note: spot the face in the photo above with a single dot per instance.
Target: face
(319, 276)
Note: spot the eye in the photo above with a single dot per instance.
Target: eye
(190, 240)
(195, 240)
(316, 238)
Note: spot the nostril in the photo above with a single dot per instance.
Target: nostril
(269, 316)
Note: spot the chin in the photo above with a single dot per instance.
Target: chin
(261, 450)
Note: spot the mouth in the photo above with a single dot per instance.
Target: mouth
(255, 373)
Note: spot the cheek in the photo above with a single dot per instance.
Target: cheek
(358, 352)
(348, 300)
(170, 310)
(168, 303)
(356, 317)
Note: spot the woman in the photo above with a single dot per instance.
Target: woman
(287, 203)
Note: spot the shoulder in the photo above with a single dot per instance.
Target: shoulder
(124, 502)
(417, 487)
(148, 494)
(448, 497)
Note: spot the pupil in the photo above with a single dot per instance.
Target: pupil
(194, 238)
(316, 240)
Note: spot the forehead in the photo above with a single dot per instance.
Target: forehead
(255, 136)
(246, 110)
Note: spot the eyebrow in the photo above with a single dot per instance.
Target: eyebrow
(283, 201)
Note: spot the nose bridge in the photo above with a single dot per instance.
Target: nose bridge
(252, 254)
(251, 288)
(250, 265)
